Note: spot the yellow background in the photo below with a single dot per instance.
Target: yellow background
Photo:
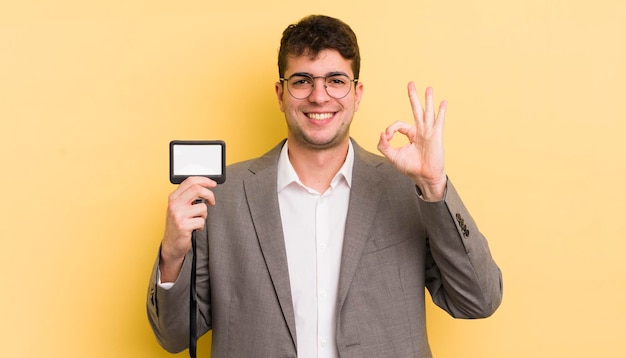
(91, 92)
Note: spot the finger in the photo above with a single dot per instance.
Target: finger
(408, 132)
(192, 185)
(192, 181)
(397, 126)
(195, 192)
(190, 224)
(184, 219)
(386, 148)
(416, 106)
(429, 118)
(403, 128)
(198, 210)
(441, 115)
(383, 144)
(197, 223)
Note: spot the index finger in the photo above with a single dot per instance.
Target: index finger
(192, 181)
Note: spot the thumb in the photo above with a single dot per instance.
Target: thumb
(383, 145)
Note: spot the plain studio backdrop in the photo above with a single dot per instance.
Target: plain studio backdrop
(91, 93)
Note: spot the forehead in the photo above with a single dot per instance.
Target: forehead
(326, 61)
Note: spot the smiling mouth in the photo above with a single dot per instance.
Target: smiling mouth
(320, 116)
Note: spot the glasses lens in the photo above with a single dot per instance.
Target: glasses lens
(338, 86)
(300, 86)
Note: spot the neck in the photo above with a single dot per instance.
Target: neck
(316, 168)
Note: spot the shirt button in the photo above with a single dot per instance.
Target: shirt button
(324, 343)
(323, 246)
(323, 294)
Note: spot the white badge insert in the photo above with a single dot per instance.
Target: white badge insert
(197, 158)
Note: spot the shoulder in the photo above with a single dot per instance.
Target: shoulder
(260, 167)
(368, 163)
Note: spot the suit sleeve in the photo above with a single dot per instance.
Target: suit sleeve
(168, 309)
(461, 275)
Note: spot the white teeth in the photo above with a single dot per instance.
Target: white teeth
(320, 116)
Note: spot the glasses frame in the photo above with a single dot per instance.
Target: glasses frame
(313, 78)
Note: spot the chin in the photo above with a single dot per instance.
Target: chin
(325, 143)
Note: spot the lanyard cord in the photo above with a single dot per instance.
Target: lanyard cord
(193, 304)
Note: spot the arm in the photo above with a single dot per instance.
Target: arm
(461, 275)
(168, 309)
(460, 272)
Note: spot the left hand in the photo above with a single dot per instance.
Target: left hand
(422, 158)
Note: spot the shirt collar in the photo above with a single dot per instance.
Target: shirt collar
(287, 174)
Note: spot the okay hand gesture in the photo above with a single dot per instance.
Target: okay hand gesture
(421, 159)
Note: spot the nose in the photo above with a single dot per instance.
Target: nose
(319, 93)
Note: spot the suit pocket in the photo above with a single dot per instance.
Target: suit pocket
(386, 240)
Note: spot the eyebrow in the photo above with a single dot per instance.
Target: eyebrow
(333, 73)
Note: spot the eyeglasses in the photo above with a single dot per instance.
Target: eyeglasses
(300, 85)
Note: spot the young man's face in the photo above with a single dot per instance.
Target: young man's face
(319, 121)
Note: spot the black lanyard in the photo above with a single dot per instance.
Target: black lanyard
(193, 303)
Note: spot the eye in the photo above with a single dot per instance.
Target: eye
(337, 81)
(300, 81)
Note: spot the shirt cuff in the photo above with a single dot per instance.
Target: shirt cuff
(163, 285)
(418, 191)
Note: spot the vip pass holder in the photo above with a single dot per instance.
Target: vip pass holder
(196, 158)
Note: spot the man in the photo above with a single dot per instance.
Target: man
(319, 248)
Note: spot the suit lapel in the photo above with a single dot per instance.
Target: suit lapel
(260, 190)
(364, 199)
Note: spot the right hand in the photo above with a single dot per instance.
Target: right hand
(183, 217)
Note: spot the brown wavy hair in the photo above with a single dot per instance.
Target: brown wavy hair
(316, 33)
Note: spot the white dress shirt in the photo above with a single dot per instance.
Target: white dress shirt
(313, 226)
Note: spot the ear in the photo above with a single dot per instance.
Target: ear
(280, 89)
(358, 94)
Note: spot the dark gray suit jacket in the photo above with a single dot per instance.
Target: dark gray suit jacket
(395, 245)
